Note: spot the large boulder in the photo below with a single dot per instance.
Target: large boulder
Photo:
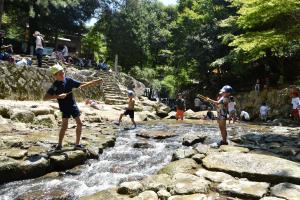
(162, 110)
(132, 188)
(216, 177)
(286, 191)
(191, 139)
(67, 160)
(254, 166)
(25, 116)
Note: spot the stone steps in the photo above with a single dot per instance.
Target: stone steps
(115, 101)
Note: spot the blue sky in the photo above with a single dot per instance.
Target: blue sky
(169, 2)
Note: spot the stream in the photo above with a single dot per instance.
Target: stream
(117, 164)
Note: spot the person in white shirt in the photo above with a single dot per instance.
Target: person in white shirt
(263, 111)
(244, 116)
(231, 109)
(65, 52)
(296, 105)
(39, 47)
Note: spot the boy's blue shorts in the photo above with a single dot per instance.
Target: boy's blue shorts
(74, 113)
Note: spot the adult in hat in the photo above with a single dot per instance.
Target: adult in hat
(39, 48)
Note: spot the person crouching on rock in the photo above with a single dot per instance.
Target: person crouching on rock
(129, 110)
(180, 107)
(61, 90)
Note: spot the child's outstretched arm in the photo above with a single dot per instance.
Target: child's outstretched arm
(50, 97)
(90, 83)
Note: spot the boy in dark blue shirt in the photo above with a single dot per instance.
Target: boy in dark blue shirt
(61, 90)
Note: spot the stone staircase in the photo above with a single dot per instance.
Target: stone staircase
(114, 94)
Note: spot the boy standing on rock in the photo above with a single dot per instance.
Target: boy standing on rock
(61, 90)
(129, 110)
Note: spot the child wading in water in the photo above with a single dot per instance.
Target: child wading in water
(180, 107)
(129, 110)
(222, 109)
(61, 90)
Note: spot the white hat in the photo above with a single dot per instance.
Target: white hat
(56, 68)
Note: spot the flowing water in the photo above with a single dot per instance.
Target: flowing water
(117, 164)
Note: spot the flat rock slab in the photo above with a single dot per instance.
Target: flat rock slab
(110, 194)
(186, 165)
(189, 197)
(157, 182)
(244, 188)
(184, 184)
(229, 148)
(271, 198)
(156, 134)
(216, 177)
(287, 191)
(254, 166)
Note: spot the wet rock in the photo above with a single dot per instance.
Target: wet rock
(254, 138)
(142, 145)
(45, 120)
(9, 169)
(189, 197)
(14, 153)
(183, 153)
(147, 195)
(286, 191)
(191, 139)
(198, 158)
(34, 167)
(189, 114)
(132, 188)
(67, 159)
(244, 188)
(25, 116)
(36, 150)
(230, 148)
(4, 111)
(271, 198)
(109, 194)
(156, 134)
(163, 194)
(41, 110)
(54, 193)
(171, 115)
(275, 138)
(162, 110)
(297, 158)
(184, 183)
(202, 148)
(216, 177)
(92, 152)
(254, 166)
(157, 182)
(186, 165)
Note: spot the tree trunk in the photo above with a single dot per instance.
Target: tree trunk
(1, 11)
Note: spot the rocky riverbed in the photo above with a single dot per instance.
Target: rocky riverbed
(174, 159)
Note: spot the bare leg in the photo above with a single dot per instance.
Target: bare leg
(132, 120)
(222, 126)
(120, 118)
(64, 127)
(78, 130)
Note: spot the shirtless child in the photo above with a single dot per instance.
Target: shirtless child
(129, 110)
